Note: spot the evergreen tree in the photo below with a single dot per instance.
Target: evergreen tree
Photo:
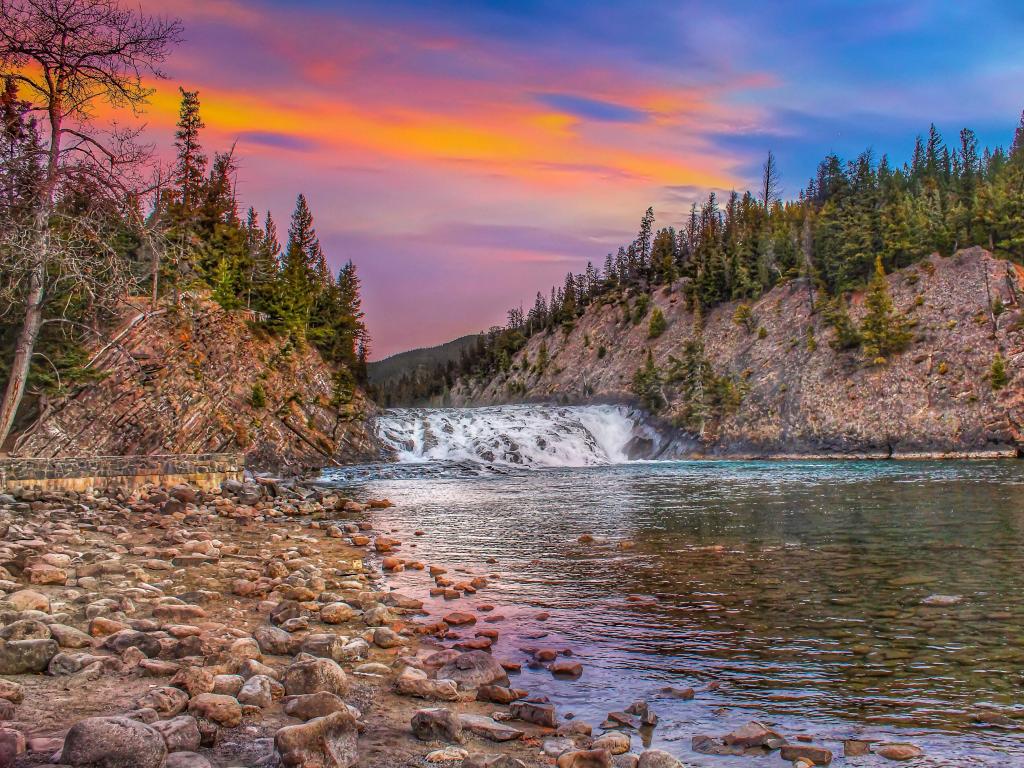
(191, 162)
(883, 331)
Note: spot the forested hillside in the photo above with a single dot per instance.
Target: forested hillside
(854, 222)
(91, 222)
(411, 377)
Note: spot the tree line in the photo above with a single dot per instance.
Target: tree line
(853, 222)
(88, 217)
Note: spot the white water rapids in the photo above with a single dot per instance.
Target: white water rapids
(518, 435)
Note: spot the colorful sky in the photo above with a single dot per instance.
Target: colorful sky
(467, 153)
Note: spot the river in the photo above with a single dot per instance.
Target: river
(876, 600)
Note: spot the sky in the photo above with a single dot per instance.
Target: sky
(467, 153)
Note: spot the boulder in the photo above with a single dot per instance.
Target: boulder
(816, 755)
(414, 682)
(615, 742)
(655, 758)
(129, 638)
(167, 701)
(222, 710)
(315, 675)
(258, 691)
(308, 706)
(29, 600)
(187, 760)
(337, 613)
(325, 742)
(585, 758)
(19, 657)
(181, 734)
(472, 669)
(489, 728)
(275, 641)
(436, 725)
(538, 714)
(113, 742)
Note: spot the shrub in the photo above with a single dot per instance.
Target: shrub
(744, 316)
(657, 325)
(998, 376)
(601, 352)
(258, 396)
(762, 332)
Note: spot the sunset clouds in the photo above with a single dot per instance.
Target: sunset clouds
(466, 154)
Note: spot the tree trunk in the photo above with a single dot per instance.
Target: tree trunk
(23, 352)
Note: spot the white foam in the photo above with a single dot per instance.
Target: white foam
(512, 435)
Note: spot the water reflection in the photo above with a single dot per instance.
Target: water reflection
(837, 599)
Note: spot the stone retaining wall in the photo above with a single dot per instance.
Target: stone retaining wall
(201, 470)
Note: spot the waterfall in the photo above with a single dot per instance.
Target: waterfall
(519, 435)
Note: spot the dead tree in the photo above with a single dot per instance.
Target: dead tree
(68, 57)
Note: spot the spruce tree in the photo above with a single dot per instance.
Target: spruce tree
(883, 331)
(190, 168)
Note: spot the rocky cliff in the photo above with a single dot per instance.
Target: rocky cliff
(198, 379)
(796, 394)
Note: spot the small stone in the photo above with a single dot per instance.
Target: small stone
(817, 755)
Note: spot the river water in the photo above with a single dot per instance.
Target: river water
(877, 600)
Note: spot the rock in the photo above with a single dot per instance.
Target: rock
(585, 758)
(326, 742)
(276, 642)
(492, 761)
(856, 747)
(459, 619)
(101, 626)
(166, 701)
(817, 755)
(129, 638)
(181, 734)
(258, 691)
(436, 725)
(942, 601)
(11, 691)
(655, 758)
(414, 682)
(19, 657)
(488, 728)
(12, 744)
(679, 693)
(42, 573)
(499, 694)
(473, 669)
(69, 637)
(315, 675)
(387, 638)
(337, 613)
(566, 668)
(899, 751)
(643, 710)
(447, 755)
(538, 714)
(753, 734)
(615, 742)
(555, 747)
(29, 600)
(308, 706)
(223, 710)
(113, 742)
(178, 614)
(228, 685)
(26, 629)
(187, 760)
(195, 680)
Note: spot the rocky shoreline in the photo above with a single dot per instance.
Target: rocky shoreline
(254, 626)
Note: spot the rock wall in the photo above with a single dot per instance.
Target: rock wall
(203, 471)
(196, 379)
(801, 396)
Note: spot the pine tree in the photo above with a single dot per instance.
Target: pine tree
(883, 331)
(191, 162)
(998, 376)
(298, 288)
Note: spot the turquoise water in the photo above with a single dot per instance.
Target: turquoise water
(798, 591)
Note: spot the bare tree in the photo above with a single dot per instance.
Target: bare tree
(769, 181)
(69, 57)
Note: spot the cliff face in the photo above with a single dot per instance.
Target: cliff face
(798, 395)
(199, 379)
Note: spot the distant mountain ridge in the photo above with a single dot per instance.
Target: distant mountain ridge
(394, 366)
